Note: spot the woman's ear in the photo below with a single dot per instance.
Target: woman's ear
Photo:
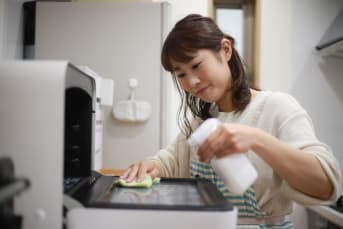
(227, 48)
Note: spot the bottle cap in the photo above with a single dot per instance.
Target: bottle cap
(200, 134)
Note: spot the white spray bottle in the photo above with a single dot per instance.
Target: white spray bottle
(236, 171)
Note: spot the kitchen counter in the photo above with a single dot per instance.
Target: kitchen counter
(329, 213)
(111, 172)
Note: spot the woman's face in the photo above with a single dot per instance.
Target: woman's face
(207, 76)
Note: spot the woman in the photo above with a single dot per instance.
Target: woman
(271, 128)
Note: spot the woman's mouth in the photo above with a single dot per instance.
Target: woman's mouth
(201, 91)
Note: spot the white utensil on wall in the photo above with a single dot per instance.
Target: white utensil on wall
(132, 110)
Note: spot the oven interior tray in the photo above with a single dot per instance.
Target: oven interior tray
(169, 194)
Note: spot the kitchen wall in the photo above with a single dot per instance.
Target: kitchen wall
(2, 18)
(3, 22)
(275, 44)
(10, 29)
(182, 8)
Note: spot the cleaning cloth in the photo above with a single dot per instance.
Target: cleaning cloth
(146, 183)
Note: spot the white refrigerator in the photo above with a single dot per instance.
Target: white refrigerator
(118, 41)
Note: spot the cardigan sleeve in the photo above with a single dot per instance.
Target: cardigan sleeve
(175, 158)
(296, 128)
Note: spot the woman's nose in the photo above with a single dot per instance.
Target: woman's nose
(193, 80)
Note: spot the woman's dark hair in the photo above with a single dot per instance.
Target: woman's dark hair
(190, 34)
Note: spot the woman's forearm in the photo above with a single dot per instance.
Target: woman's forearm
(301, 170)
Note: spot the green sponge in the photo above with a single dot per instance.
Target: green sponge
(156, 180)
(146, 183)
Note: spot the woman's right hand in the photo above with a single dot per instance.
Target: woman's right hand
(138, 170)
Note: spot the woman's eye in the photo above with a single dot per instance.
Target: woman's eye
(181, 75)
(195, 66)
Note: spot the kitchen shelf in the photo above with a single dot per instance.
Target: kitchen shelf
(331, 43)
(335, 50)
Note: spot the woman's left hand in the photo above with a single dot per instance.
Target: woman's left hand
(227, 139)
